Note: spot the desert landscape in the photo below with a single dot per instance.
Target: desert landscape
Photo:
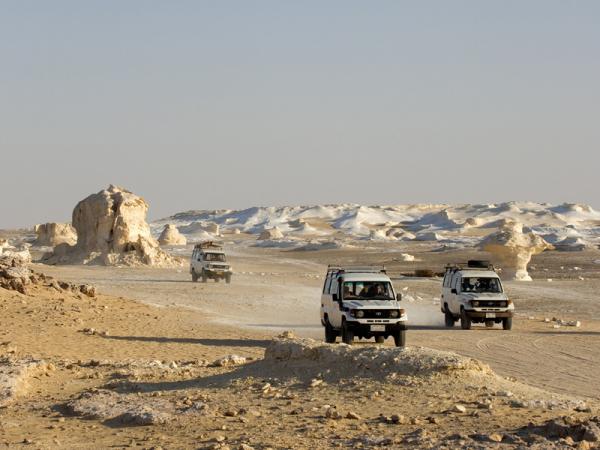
(106, 342)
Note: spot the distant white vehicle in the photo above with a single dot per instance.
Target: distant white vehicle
(473, 293)
(360, 302)
(209, 261)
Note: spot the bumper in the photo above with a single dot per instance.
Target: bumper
(218, 273)
(489, 314)
(365, 328)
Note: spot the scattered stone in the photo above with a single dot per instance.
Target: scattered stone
(459, 409)
(352, 415)
(315, 382)
(495, 437)
(229, 360)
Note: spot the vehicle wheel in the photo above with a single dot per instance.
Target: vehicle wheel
(330, 334)
(449, 319)
(400, 338)
(203, 275)
(507, 323)
(217, 279)
(465, 321)
(489, 323)
(347, 334)
(227, 279)
(194, 276)
(380, 339)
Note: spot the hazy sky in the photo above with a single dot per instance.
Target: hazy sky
(230, 104)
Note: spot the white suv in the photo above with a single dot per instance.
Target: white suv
(473, 292)
(360, 301)
(208, 261)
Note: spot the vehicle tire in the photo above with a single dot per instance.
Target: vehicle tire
(347, 334)
(465, 321)
(400, 338)
(217, 279)
(194, 276)
(380, 339)
(330, 334)
(507, 323)
(489, 323)
(203, 275)
(449, 319)
(228, 279)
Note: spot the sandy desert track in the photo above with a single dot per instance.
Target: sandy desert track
(274, 292)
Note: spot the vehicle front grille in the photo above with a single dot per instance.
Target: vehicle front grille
(377, 313)
(489, 304)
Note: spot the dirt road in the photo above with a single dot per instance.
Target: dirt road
(272, 291)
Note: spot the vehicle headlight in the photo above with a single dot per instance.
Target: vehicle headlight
(359, 314)
(475, 303)
(503, 304)
(394, 313)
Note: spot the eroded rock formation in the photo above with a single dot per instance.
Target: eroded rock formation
(51, 234)
(112, 229)
(271, 234)
(171, 236)
(512, 250)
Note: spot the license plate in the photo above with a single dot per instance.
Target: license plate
(490, 315)
(377, 327)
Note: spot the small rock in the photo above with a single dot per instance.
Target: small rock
(315, 382)
(398, 419)
(352, 415)
(287, 335)
(459, 408)
(495, 437)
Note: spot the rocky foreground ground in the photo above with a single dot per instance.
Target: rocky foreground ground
(79, 369)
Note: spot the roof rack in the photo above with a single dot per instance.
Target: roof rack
(471, 265)
(334, 268)
(208, 244)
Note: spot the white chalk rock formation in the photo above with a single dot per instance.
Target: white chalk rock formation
(270, 234)
(513, 249)
(21, 255)
(213, 228)
(52, 234)
(112, 229)
(171, 236)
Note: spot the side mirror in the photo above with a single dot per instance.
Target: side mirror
(335, 297)
(399, 297)
(454, 291)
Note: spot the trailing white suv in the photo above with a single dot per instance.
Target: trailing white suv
(360, 302)
(473, 293)
(209, 261)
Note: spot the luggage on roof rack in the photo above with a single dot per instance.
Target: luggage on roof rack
(333, 268)
(209, 244)
(472, 264)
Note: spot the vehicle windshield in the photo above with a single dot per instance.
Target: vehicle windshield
(481, 284)
(214, 257)
(367, 290)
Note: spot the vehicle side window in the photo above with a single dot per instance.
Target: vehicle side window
(447, 279)
(333, 289)
(456, 283)
(326, 285)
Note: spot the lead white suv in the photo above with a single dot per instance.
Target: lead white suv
(360, 302)
(473, 292)
(209, 261)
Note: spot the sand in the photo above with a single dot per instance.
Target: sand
(135, 365)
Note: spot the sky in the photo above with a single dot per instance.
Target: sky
(232, 104)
